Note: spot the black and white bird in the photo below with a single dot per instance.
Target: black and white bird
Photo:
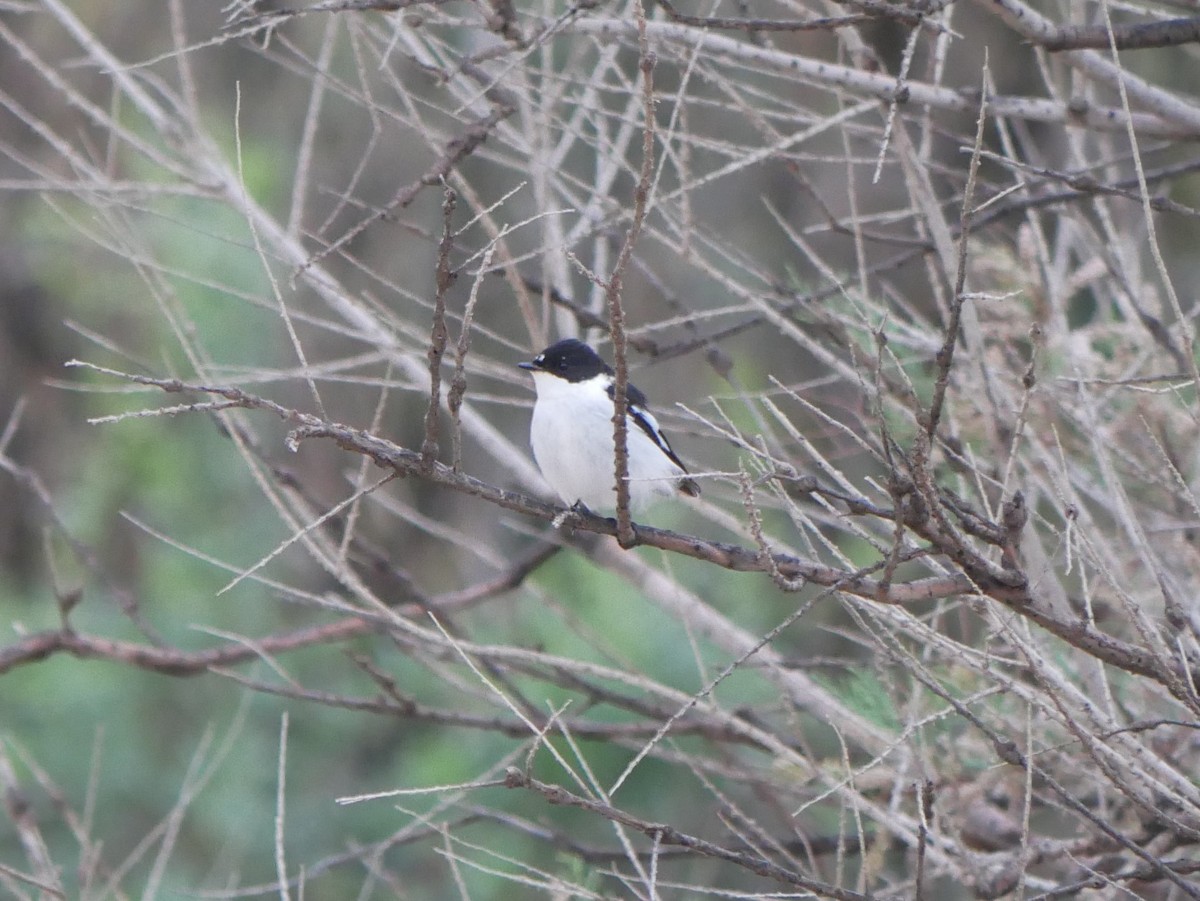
(572, 433)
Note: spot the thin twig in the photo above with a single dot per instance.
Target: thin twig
(456, 150)
(458, 384)
(668, 835)
(438, 332)
(945, 355)
(280, 795)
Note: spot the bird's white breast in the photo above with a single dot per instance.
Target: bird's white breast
(572, 438)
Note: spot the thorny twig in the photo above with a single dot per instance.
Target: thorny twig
(439, 333)
(455, 151)
(458, 384)
(669, 835)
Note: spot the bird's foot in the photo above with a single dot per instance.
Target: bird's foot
(626, 540)
(571, 517)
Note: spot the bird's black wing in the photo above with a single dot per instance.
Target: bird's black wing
(635, 408)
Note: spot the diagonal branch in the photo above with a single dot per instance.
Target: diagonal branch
(668, 835)
(978, 576)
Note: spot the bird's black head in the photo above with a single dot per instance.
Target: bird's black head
(569, 359)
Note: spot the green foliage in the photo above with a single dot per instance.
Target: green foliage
(866, 694)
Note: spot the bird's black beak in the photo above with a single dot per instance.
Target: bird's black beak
(532, 367)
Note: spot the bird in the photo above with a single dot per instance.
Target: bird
(572, 434)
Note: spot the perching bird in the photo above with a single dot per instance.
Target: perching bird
(572, 433)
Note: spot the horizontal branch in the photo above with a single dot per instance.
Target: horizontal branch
(1173, 117)
(1128, 36)
(173, 661)
(827, 23)
(181, 663)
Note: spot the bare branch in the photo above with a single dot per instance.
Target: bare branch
(1126, 36)
(669, 835)
(439, 334)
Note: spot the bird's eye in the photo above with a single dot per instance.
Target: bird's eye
(539, 359)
